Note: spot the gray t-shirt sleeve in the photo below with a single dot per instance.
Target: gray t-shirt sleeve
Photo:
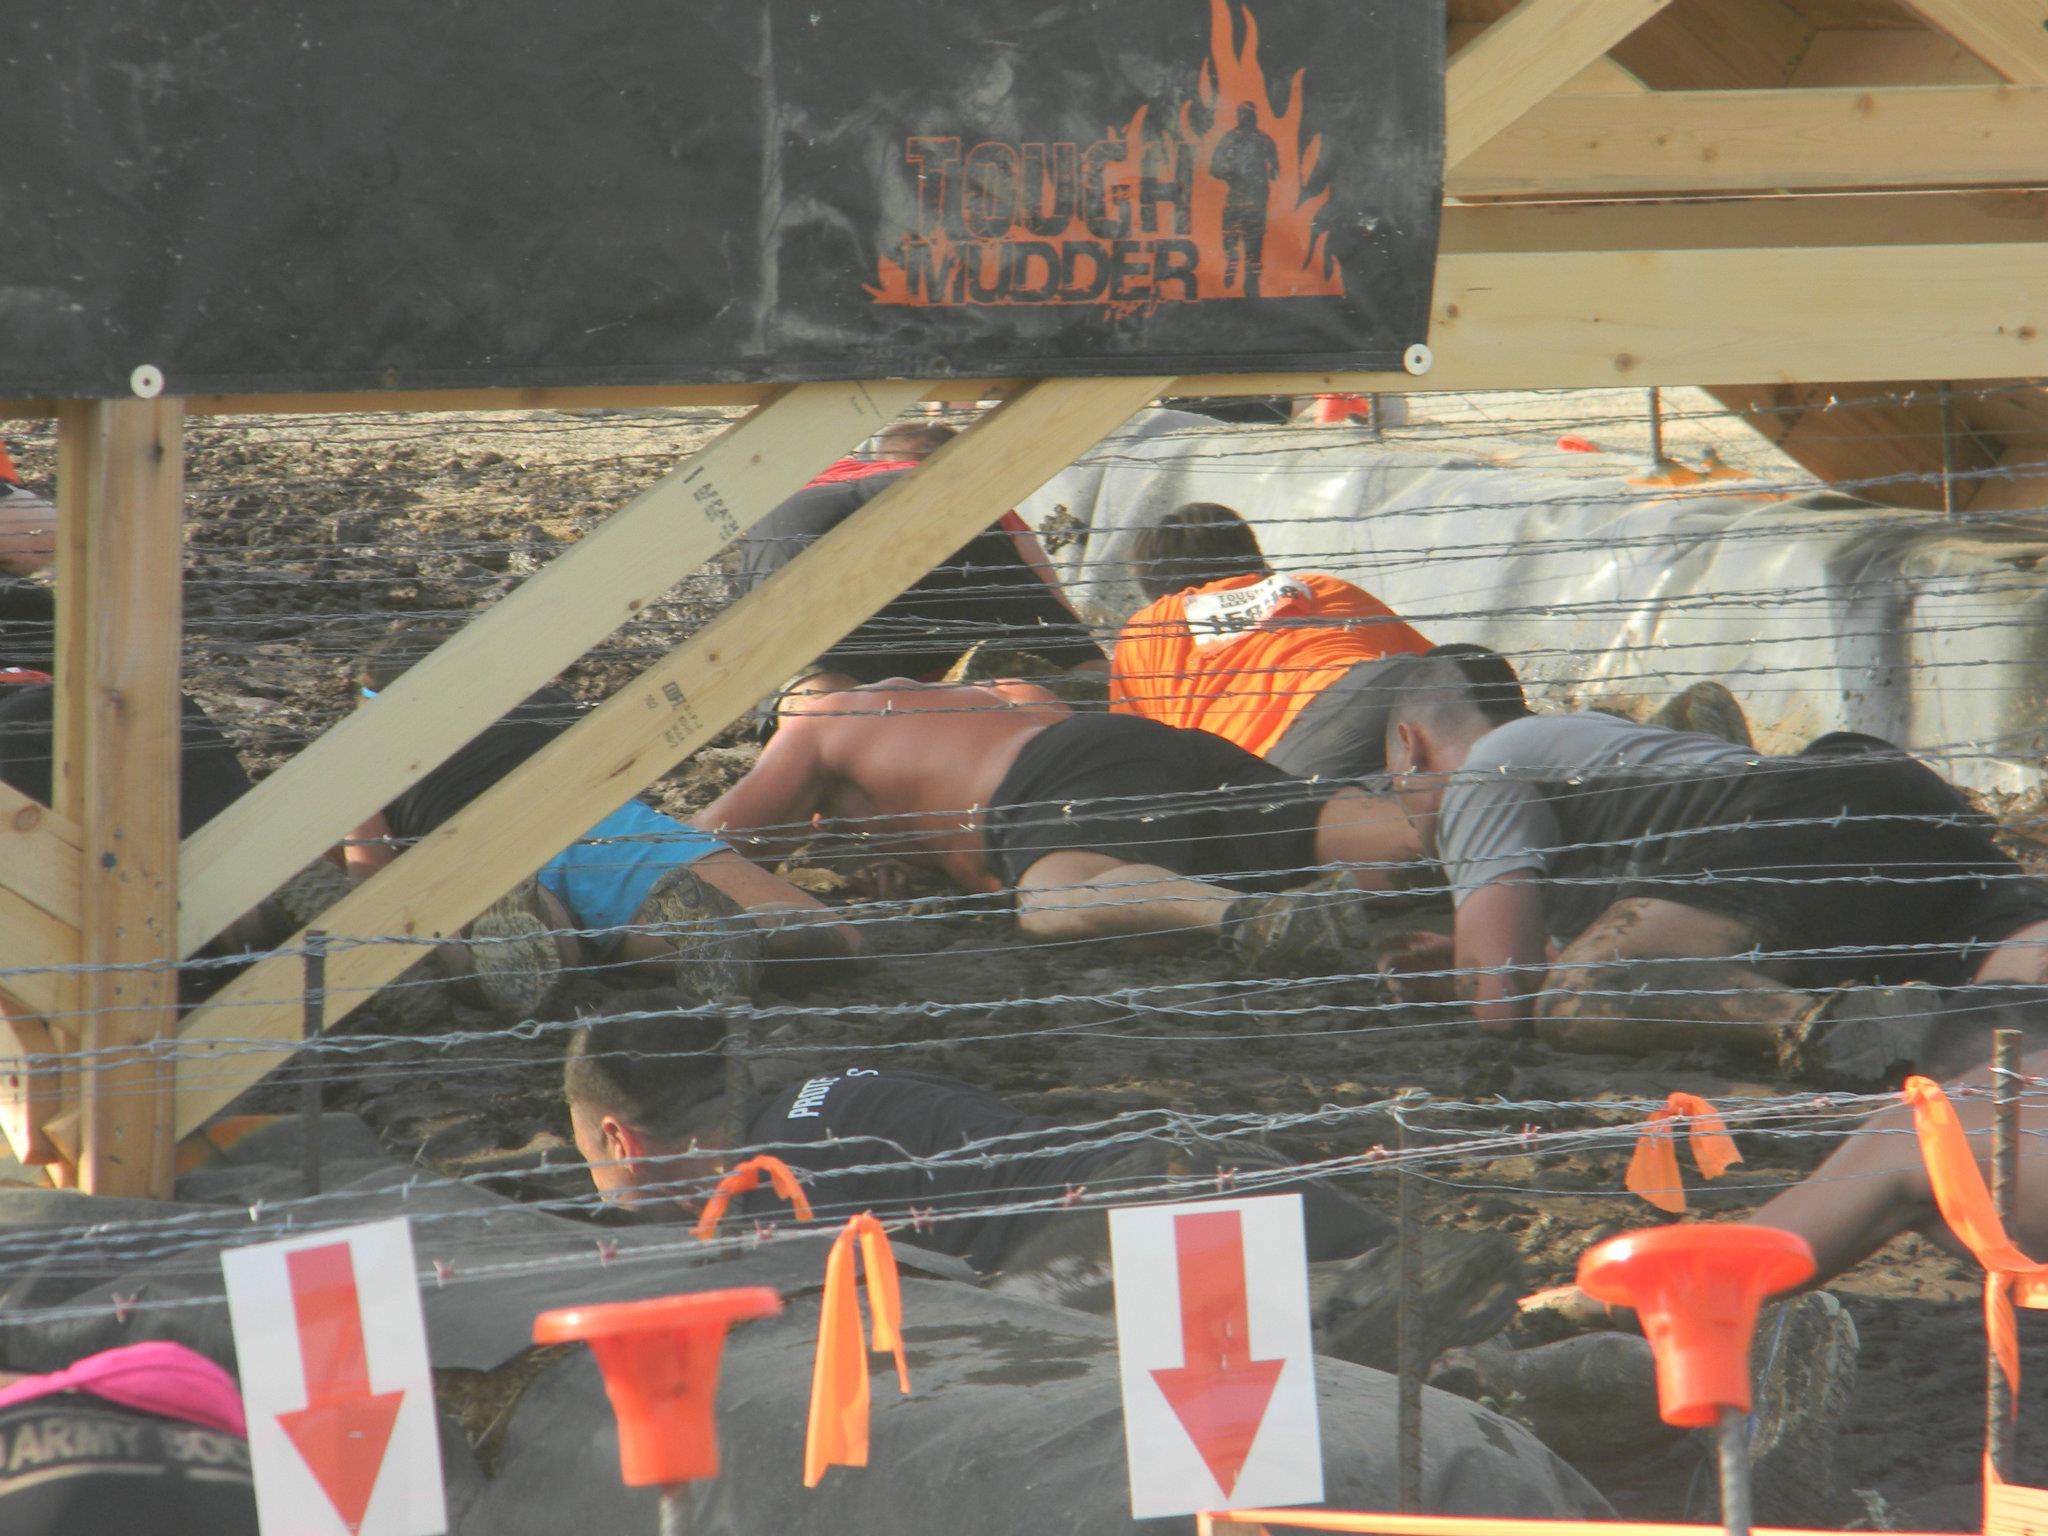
(1492, 825)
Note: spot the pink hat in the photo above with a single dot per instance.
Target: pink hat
(158, 1377)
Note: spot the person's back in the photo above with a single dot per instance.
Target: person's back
(1242, 657)
(890, 1140)
(905, 765)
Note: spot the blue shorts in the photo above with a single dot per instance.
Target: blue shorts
(604, 877)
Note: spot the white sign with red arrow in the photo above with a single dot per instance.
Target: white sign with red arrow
(1218, 1367)
(333, 1355)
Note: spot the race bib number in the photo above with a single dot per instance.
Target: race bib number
(1217, 618)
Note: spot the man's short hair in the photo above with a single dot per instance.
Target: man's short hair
(915, 439)
(1192, 545)
(659, 1076)
(1437, 695)
(1496, 686)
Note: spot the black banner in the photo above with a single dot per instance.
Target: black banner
(390, 194)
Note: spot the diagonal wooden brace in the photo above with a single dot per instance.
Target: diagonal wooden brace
(517, 645)
(675, 706)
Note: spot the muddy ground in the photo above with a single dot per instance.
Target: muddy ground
(308, 538)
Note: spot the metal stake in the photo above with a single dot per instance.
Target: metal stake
(310, 1105)
(1657, 427)
(739, 1080)
(1948, 450)
(2005, 1183)
(672, 1509)
(1731, 1445)
(1408, 1361)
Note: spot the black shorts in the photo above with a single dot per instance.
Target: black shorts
(1865, 852)
(1153, 794)
(1342, 732)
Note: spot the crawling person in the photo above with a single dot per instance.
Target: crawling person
(640, 889)
(1624, 887)
(647, 1103)
(1102, 825)
(1873, 1187)
(1300, 669)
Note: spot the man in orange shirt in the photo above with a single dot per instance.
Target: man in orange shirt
(1300, 670)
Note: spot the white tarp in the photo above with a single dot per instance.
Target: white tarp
(1821, 613)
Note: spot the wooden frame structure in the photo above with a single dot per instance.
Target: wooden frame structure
(1794, 202)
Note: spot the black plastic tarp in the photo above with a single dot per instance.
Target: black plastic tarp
(521, 192)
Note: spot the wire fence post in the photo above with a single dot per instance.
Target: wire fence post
(310, 1097)
(1408, 1361)
(1948, 449)
(2005, 1181)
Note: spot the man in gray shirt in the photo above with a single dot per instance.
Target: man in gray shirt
(1608, 875)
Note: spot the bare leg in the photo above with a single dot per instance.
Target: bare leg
(1874, 1186)
(1651, 974)
(1075, 894)
(2022, 957)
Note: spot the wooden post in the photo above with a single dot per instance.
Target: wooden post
(119, 640)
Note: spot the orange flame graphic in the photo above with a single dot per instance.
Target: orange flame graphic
(1295, 263)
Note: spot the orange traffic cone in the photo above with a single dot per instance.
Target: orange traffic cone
(1697, 1290)
(660, 1363)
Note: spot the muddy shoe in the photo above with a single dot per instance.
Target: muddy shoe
(1863, 1036)
(515, 965)
(1803, 1366)
(1469, 1284)
(1708, 709)
(1326, 924)
(718, 948)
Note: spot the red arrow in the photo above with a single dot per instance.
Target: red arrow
(1218, 1391)
(343, 1430)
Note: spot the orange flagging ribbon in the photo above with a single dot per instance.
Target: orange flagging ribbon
(746, 1178)
(1965, 1204)
(1653, 1171)
(838, 1432)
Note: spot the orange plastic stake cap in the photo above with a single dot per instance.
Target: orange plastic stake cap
(660, 1364)
(1696, 1290)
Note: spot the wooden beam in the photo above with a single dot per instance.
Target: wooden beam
(30, 1088)
(39, 855)
(1839, 56)
(1525, 56)
(1710, 45)
(1817, 219)
(2009, 35)
(594, 397)
(670, 710)
(125, 711)
(1597, 319)
(2018, 482)
(1878, 440)
(1790, 140)
(518, 644)
(33, 966)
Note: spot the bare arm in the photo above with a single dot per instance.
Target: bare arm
(1499, 943)
(365, 853)
(768, 813)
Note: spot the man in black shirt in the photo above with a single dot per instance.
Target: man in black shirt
(997, 587)
(648, 1108)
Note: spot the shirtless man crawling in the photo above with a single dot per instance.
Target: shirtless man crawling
(1101, 824)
